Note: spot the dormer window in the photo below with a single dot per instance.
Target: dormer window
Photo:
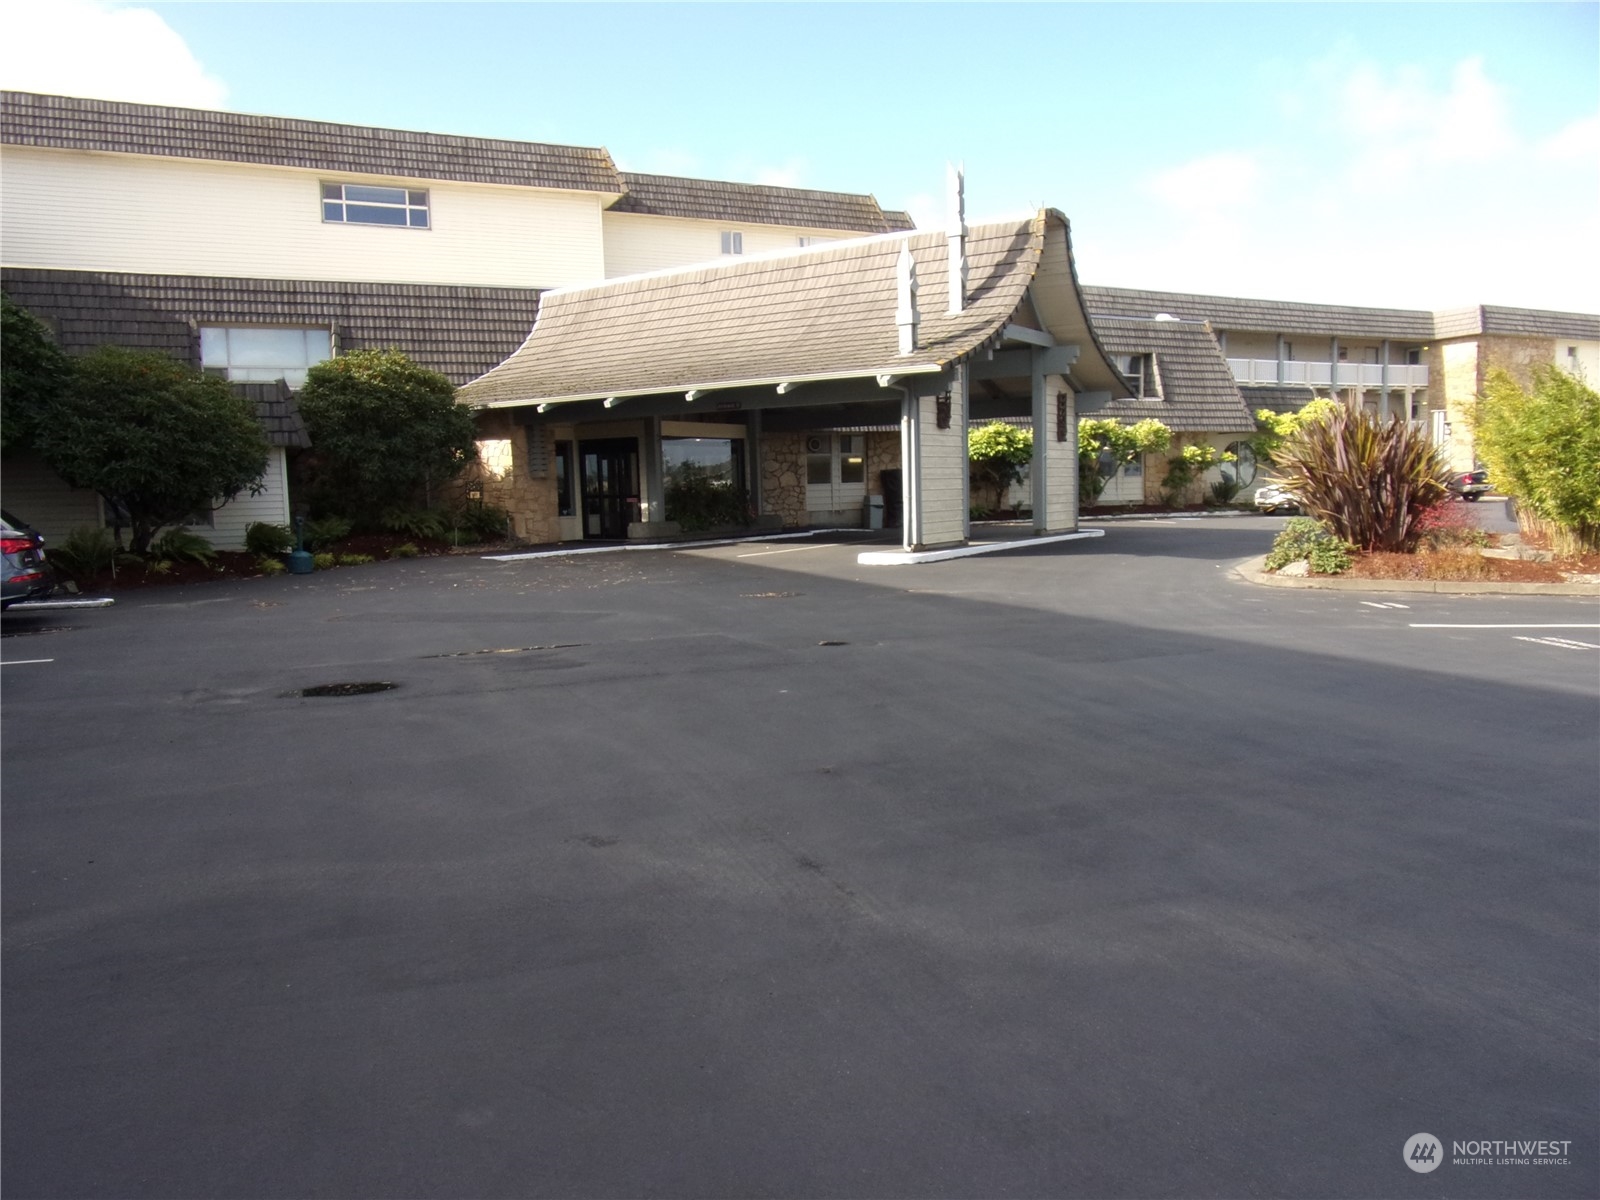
(363, 204)
(1137, 367)
(732, 242)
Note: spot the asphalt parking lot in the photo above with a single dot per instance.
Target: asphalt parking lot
(1078, 871)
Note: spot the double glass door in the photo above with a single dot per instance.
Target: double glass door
(609, 476)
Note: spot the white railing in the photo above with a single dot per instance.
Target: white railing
(1322, 374)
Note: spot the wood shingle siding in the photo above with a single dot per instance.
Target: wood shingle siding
(69, 123)
(460, 332)
(752, 203)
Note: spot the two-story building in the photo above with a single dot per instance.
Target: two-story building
(257, 246)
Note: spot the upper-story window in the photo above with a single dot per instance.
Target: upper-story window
(256, 355)
(1137, 368)
(732, 242)
(814, 241)
(363, 204)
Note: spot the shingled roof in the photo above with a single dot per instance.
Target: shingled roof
(823, 312)
(458, 331)
(898, 220)
(1197, 390)
(1278, 397)
(1272, 316)
(750, 203)
(70, 123)
(277, 411)
(1531, 322)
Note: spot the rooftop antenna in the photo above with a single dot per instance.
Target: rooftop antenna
(957, 234)
(906, 315)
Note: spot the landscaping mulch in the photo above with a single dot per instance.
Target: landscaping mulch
(1467, 566)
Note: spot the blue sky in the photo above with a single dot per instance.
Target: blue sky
(1409, 155)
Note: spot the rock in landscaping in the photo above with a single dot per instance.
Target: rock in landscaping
(1296, 570)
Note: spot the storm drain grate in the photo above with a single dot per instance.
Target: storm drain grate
(345, 689)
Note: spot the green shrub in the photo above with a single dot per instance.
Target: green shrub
(87, 551)
(324, 561)
(996, 455)
(1185, 467)
(268, 565)
(426, 523)
(404, 550)
(479, 523)
(1331, 557)
(183, 545)
(698, 500)
(1106, 445)
(354, 560)
(1306, 540)
(1369, 481)
(325, 531)
(1225, 489)
(158, 566)
(264, 538)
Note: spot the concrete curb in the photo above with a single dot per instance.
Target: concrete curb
(1250, 572)
(570, 551)
(895, 558)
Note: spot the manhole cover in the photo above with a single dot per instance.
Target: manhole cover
(346, 689)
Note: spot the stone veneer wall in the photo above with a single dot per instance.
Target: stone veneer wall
(783, 477)
(530, 501)
(883, 454)
(1459, 370)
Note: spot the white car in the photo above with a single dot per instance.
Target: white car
(1276, 497)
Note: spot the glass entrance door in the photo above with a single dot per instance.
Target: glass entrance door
(610, 482)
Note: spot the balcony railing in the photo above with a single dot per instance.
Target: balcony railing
(1326, 374)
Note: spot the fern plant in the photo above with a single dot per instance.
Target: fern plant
(183, 545)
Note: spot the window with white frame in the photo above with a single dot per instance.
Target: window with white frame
(732, 241)
(1137, 368)
(364, 204)
(245, 354)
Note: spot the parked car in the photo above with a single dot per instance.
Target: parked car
(1276, 497)
(1469, 485)
(26, 575)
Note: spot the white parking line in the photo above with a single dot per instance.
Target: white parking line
(789, 550)
(23, 662)
(1447, 625)
(1559, 643)
(1384, 604)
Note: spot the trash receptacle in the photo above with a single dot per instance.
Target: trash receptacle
(874, 512)
(892, 500)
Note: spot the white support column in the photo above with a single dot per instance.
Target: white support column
(1041, 433)
(1055, 456)
(910, 473)
(934, 460)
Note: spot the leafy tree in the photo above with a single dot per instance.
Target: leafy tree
(1543, 447)
(156, 438)
(998, 452)
(1367, 480)
(1106, 445)
(1273, 427)
(33, 372)
(385, 432)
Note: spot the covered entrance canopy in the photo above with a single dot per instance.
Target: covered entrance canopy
(916, 333)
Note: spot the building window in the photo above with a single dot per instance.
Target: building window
(814, 241)
(564, 479)
(1288, 352)
(1243, 466)
(1413, 358)
(363, 204)
(732, 242)
(1137, 368)
(251, 355)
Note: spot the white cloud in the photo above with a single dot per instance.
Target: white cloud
(1578, 142)
(791, 174)
(1217, 185)
(926, 211)
(1398, 120)
(82, 48)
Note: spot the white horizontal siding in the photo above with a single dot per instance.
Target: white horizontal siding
(69, 210)
(37, 496)
(271, 505)
(635, 243)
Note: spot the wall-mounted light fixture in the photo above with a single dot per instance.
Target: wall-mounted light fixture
(941, 410)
